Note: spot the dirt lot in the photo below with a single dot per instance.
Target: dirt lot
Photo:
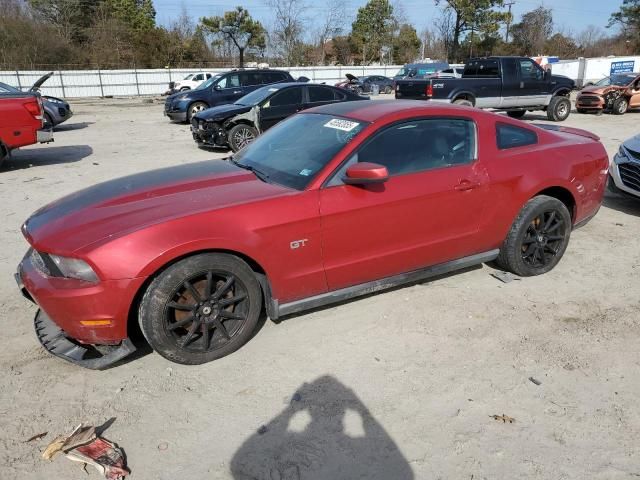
(394, 386)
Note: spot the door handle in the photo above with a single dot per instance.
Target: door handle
(237, 91)
(465, 185)
(521, 84)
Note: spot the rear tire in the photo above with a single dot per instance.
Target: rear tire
(387, 89)
(464, 102)
(558, 109)
(620, 106)
(241, 135)
(201, 308)
(516, 113)
(538, 237)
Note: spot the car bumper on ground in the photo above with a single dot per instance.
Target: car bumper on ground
(625, 174)
(81, 322)
(44, 136)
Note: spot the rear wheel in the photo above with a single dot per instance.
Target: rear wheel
(184, 89)
(516, 113)
(201, 308)
(538, 237)
(620, 106)
(559, 109)
(464, 102)
(195, 108)
(241, 135)
(387, 89)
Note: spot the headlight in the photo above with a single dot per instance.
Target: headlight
(74, 268)
(621, 152)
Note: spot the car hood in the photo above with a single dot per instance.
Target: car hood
(600, 90)
(40, 82)
(117, 207)
(222, 111)
(562, 79)
(633, 144)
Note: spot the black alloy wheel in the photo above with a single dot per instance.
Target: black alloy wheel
(538, 237)
(201, 308)
(543, 239)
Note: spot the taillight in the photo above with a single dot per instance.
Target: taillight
(35, 108)
(429, 90)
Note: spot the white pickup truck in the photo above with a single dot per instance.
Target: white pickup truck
(190, 82)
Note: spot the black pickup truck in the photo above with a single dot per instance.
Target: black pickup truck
(513, 84)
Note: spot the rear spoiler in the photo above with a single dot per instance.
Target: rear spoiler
(574, 131)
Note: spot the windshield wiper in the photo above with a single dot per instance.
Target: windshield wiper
(258, 173)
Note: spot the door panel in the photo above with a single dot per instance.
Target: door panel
(534, 89)
(510, 83)
(415, 219)
(230, 90)
(280, 106)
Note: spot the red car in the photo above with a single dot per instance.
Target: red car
(334, 202)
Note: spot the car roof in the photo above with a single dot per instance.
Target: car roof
(379, 110)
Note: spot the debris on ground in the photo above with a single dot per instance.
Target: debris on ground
(262, 430)
(534, 381)
(504, 418)
(505, 277)
(85, 446)
(36, 437)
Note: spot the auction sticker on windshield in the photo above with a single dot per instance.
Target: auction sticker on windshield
(340, 124)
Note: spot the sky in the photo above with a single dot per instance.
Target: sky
(568, 15)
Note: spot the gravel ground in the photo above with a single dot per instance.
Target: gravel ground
(397, 385)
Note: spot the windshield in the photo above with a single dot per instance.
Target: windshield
(257, 96)
(209, 82)
(617, 80)
(294, 151)
(402, 72)
(188, 76)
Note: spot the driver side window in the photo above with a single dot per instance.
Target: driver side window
(529, 70)
(418, 145)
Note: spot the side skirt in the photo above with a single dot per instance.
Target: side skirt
(377, 285)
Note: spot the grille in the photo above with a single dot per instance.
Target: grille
(589, 100)
(630, 175)
(194, 122)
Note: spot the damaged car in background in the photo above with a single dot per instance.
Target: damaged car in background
(236, 125)
(56, 110)
(616, 94)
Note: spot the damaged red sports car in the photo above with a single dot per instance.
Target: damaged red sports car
(332, 203)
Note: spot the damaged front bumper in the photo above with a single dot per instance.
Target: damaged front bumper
(63, 343)
(55, 341)
(208, 133)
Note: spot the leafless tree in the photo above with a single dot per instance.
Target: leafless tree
(332, 25)
(288, 28)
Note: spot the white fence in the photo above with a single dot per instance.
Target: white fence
(102, 83)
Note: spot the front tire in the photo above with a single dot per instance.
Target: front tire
(241, 135)
(387, 89)
(195, 108)
(559, 109)
(201, 308)
(620, 106)
(538, 237)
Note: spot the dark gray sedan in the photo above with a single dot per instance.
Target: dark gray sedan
(56, 110)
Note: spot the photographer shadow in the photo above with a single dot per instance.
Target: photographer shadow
(325, 432)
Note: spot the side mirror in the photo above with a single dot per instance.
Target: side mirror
(217, 87)
(365, 173)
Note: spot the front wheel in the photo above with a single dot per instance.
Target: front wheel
(387, 89)
(620, 106)
(538, 237)
(195, 108)
(559, 109)
(201, 308)
(241, 135)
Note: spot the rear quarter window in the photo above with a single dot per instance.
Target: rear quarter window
(510, 136)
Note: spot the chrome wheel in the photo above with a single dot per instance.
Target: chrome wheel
(243, 137)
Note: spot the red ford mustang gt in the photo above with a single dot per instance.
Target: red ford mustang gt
(335, 202)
